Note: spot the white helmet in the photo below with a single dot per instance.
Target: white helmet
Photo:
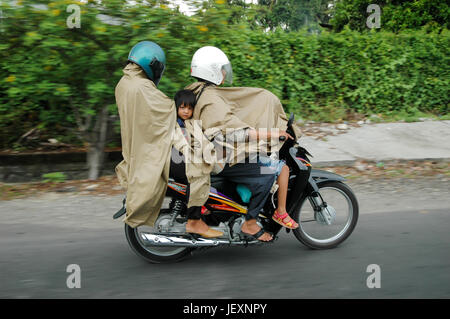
(208, 63)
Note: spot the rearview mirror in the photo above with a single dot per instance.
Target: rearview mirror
(291, 120)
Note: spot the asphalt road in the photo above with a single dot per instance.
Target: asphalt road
(404, 228)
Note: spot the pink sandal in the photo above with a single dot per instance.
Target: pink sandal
(291, 224)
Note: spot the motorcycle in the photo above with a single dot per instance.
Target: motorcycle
(325, 208)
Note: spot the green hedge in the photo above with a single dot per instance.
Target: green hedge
(331, 76)
(47, 70)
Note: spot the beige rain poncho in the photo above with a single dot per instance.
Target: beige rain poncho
(149, 130)
(222, 108)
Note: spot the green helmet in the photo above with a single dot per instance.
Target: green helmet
(150, 57)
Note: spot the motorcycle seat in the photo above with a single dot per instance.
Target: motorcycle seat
(218, 182)
(227, 187)
(217, 178)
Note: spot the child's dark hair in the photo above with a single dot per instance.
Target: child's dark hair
(185, 96)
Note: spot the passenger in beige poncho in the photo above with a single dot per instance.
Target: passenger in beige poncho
(149, 131)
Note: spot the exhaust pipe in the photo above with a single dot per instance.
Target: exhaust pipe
(174, 241)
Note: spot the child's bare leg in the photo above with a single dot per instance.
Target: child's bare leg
(283, 181)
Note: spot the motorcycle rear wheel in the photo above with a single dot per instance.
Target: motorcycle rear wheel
(340, 196)
(154, 254)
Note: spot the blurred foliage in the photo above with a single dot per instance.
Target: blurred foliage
(396, 15)
(55, 177)
(293, 15)
(288, 15)
(58, 79)
(330, 76)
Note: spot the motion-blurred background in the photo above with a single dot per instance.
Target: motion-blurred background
(337, 63)
(327, 61)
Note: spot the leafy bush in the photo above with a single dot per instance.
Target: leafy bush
(331, 76)
(56, 177)
(395, 15)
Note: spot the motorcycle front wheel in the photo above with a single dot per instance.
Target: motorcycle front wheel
(154, 254)
(342, 208)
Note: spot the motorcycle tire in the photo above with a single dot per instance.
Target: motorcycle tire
(152, 254)
(309, 241)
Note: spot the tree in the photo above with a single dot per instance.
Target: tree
(292, 15)
(60, 62)
(64, 73)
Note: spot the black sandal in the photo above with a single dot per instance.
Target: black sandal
(253, 237)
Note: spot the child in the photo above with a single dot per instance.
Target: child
(185, 103)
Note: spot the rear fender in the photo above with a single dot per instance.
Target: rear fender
(121, 211)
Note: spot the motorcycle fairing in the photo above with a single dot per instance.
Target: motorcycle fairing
(320, 176)
(226, 203)
(216, 200)
(177, 187)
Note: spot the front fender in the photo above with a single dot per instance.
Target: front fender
(321, 176)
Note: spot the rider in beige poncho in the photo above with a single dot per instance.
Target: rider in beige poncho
(236, 113)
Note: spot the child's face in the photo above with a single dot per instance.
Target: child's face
(185, 111)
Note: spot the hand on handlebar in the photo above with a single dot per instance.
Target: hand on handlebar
(265, 135)
(283, 135)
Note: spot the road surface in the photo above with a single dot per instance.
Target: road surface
(404, 229)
